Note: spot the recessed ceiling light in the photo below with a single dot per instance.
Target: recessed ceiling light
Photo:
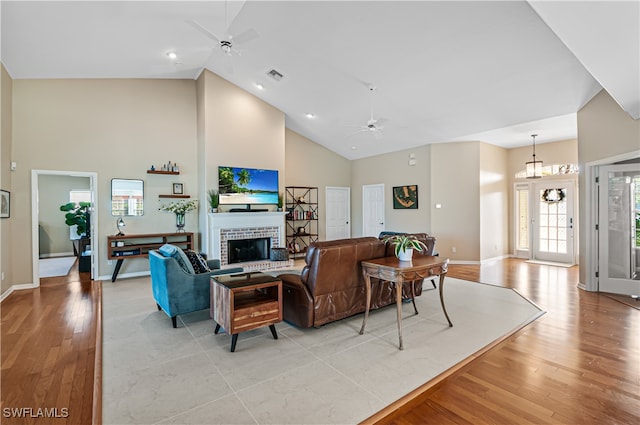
(259, 86)
(172, 55)
(309, 115)
(353, 148)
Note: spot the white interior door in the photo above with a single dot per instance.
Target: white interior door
(553, 236)
(338, 213)
(372, 209)
(618, 210)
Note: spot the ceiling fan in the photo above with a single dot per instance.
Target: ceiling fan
(229, 44)
(373, 126)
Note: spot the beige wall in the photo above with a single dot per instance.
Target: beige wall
(393, 170)
(6, 93)
(53, 191)
(604, 131)
(236, 129)
(455, 184)
(309, 164)
(115, 128)
(494, 202)
(240, 130)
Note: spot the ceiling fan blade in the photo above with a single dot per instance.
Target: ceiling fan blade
(245, 36)
(378, 134)
(203, 30)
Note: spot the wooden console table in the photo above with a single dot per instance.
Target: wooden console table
(396, 272)
(241, 302)
(137, 246)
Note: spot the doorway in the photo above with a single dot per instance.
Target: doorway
(545, 225)
(338, 213)
(39, 176)
(372, 209)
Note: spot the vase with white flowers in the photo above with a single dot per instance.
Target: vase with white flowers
(180, 208)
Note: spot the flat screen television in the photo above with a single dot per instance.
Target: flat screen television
(249, 186)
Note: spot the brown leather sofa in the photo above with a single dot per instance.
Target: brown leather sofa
(331, 286)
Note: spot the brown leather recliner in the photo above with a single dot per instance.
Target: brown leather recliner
(331, 286)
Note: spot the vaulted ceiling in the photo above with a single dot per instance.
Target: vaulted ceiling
(442, 70)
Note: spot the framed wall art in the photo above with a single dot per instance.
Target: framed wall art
(5, 204)
(178, 189)
(405, 197)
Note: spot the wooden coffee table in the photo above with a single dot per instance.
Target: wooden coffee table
(241, 302)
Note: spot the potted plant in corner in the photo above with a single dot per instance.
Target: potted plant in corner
(404, 245)
(214, 200)
(77, 215)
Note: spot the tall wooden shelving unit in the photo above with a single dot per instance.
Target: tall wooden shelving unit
(301, 203)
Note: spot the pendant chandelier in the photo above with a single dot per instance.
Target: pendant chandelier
(534, 168)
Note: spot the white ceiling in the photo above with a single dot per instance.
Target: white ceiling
(443, 70)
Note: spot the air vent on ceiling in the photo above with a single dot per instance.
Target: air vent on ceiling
(275, 75)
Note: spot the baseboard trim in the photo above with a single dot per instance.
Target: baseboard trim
(464, 262)
(17, 288)
(56, 255)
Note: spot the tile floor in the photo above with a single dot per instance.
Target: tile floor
(155, 374)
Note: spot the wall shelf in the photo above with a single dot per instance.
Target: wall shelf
(174, 196)
(175, 173)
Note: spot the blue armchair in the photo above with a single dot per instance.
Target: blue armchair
(177, 288)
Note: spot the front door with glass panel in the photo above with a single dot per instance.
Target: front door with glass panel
(553, 222)
(619, 214)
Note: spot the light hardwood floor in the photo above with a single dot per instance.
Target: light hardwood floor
(578, 364)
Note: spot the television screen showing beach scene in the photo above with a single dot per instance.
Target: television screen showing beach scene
(239, 185)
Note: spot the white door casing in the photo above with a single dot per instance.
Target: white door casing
(372, 209)
(338, 213)
(616, 224)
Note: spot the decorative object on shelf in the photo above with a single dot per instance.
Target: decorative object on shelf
(152, 168)
(280, 201)
(214, 200)
(180, 208)
(404, 245)
(77, 215)
(301, 231)
(534, 168)
(178, 189)
(180, 222)
(551, 196)
(405, 197)
(119, 225)
(5, 204)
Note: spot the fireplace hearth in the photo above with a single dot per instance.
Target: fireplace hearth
(243, 250)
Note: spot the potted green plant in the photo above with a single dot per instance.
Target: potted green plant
(404, 245)
(77, 215)
(280, 201)
(214, 200)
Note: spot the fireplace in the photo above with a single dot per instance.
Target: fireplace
(242, 250)
(226, 227)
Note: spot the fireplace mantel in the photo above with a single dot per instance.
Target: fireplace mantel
(246, 223)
